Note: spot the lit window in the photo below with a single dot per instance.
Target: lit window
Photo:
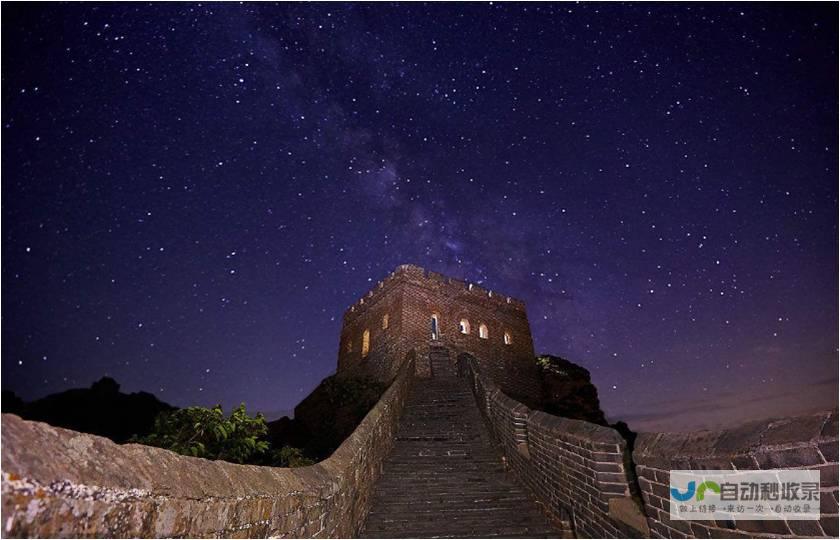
(464, 326)
(365, 343)
(482, 331)
(435, 326)
(508, 339)
(349, 345)
(385, 322)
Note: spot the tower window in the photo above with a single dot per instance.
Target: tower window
(464, 326)
(349, 345)
(385, 322)
(435, 326)
(482, 331)
(365, 343)
(508, 339)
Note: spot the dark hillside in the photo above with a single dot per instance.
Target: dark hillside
(101, 410)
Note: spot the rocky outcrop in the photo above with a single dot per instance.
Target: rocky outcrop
(568, 390)
(327, 416)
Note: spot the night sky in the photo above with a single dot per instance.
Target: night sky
(193, 194)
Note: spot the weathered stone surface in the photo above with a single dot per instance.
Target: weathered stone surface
(791, 443)
(562, 462)
(58, 482)
(443, 475)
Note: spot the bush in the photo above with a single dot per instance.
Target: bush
(288, 456)
(207, 433)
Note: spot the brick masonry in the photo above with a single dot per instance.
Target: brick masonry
(445, 478)
(575, 468)
(410, 296)
(792, 443)
(60, 483)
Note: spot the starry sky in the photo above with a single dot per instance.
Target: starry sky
(192, 194)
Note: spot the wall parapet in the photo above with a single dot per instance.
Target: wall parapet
(57, 483)
(809, 441)
(417, 273)
(575, 468)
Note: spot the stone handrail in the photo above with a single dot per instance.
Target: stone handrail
(59, 483)
(809, 441)
(575, 468)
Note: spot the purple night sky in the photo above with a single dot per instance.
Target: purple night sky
(193, 194)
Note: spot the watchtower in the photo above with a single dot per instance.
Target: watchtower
(413, 310)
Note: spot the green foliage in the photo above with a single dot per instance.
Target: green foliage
(551, 364)
(289, 456)
(327, 417)
(207, 433)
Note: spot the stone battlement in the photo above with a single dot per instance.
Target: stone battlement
(412, 327)
(580, 470)
(58, 482)
(450, 285)
(414, 309)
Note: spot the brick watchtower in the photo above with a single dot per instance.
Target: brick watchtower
(413, 311)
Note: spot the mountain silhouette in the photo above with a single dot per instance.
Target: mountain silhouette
(101, 410)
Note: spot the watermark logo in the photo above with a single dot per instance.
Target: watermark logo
(754, 495)
(701, 493)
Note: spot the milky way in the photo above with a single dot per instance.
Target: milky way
(193, 194)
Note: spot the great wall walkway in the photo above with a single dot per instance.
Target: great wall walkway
(439, 443)
(444, 477)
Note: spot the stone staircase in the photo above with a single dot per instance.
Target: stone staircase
(444, 478)
(442, 365)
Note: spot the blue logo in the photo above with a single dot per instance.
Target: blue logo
(692, 488)
(675, 493)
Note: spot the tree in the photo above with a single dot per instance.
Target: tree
(207, 433)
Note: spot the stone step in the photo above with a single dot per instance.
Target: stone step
(486, 510)
(501, 532)
(479, 529)
(421, 498)
(431, 487)
(451, 503)
(443, 368)
(444, 477)
(488, 519)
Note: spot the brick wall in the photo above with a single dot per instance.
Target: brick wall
(803, 442)
(410, 296)
(576, 469)
(59, 483)
(387, 345)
